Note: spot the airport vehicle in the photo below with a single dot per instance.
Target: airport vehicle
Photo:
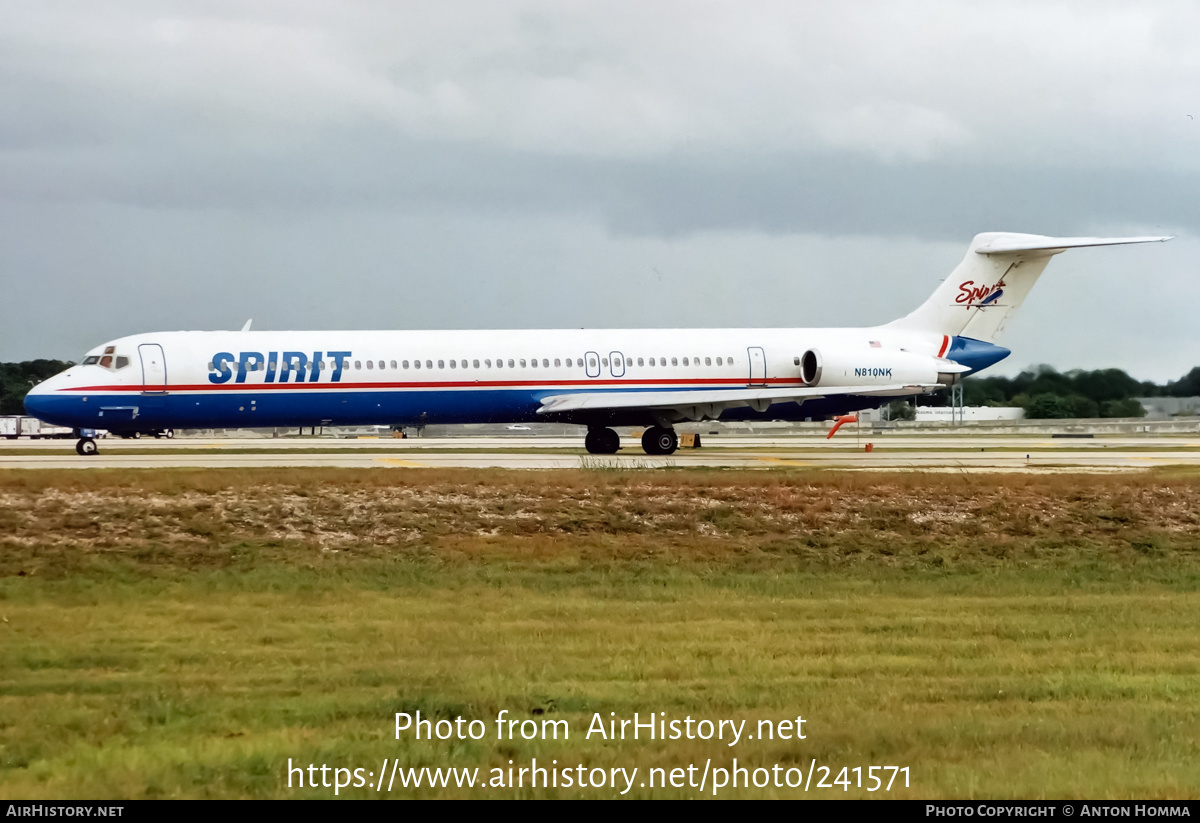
(595, 377)
(13, 426)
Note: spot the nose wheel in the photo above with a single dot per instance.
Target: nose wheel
(86, 446)
(658, 440)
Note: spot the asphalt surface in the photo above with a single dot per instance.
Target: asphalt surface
(942, 452)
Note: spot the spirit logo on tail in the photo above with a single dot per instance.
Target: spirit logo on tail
(973, 296)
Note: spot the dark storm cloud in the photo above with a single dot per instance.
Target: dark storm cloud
(537, 163)
(828, 194)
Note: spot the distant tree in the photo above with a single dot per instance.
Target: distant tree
(16, 379)
(901, 410)
(1122, 408)
(1081, 406)
(1048, 407)
(1105, 384)
(1186, 386)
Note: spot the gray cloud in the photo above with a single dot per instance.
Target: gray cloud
(534, 163)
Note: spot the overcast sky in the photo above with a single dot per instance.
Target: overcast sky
(614, 164)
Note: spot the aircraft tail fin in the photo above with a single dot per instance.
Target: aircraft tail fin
(990, 284)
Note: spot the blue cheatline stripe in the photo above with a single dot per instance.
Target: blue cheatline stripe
(252, 409)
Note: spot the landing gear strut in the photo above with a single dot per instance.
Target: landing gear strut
(86, 446)
(658, 440)
(602, 441)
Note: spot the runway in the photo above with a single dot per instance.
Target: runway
(934, 452)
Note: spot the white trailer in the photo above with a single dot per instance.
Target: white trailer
(13, 426)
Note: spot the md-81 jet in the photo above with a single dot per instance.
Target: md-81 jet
(597, 378)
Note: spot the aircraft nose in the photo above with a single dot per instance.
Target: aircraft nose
(36, 400)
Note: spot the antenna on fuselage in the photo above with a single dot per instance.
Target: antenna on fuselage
(247, 326)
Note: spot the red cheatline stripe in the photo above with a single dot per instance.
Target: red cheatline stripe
(945, 345)
(477, 384)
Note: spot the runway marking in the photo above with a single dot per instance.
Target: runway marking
(783, 461)
(393, 461)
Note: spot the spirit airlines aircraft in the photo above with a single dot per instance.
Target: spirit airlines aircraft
(597, 378)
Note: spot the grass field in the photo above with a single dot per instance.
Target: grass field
(186, 633)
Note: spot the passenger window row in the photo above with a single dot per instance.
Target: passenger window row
(533, 363)
(487, 363)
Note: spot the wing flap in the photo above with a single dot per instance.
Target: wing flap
(671, 399)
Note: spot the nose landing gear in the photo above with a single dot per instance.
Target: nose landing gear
(86, 447)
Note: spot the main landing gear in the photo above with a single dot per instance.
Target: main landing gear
(602, 441)
(86, 446)
(658, 440)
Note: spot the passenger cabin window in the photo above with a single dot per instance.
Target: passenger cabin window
(416, 364)
(404, 363)
(393, 365)
(674, 361)
(370, 364)
(522, 363)
(474, 364)
(441, 364)
(429, 364)
(454, 364)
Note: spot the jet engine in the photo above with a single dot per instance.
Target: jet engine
(877, 367)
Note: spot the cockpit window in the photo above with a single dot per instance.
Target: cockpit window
(123, 361)
(91, 360)
(106, 361)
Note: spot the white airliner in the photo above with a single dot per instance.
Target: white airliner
(594, 377)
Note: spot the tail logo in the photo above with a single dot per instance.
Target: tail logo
(972, 296)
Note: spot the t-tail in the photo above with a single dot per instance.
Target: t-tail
(980, 296)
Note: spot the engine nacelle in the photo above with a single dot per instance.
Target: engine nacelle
(877, 367)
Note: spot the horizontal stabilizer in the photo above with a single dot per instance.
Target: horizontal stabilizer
(698, 397)
(1031, 242)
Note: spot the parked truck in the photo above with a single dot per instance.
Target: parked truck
(13, 426)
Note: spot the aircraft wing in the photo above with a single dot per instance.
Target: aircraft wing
(719, 398)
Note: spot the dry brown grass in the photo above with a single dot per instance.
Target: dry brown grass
(53, 523)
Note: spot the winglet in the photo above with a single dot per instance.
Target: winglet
(247, 326)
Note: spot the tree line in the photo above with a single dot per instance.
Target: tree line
(18, 378)
(1044, 392)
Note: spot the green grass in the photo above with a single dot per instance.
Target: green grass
(159, 641)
